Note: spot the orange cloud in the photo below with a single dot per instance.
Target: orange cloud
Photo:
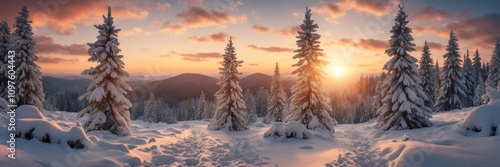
(217, 37)
(287, 31)
(338, 9)
(54, 60)
(46, 45)
(196, 57)
(133, 31)
(270, 49)
(367, 44)
(432, 46)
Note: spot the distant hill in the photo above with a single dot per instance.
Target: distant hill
(255, 81)
(59, 85)
(184, 86)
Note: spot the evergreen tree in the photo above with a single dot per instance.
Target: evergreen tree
(107, 105)
(476, 64)
(277, 101)
(427, 76)
(250, 100)
(494, 69)
(403, 104)
(453, 90)
(231, 110)
(202, 107)
(437, 82)
(480, 91)
(4, 48)
(470, 79)
(151, 113)
(309, 102)
(29, 77)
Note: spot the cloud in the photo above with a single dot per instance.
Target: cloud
(197, 16)
(253, 64)
(432, 13)
(133, 31)
(270, 49)
(63, 17)
(338, 9)
(46, 45)
(367, 44)
(217, 37)
(432, 46)
(166, 27)
(287, 31)
(196, 57)
(54, 60)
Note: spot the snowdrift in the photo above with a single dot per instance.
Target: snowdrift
(32, 124)
(292, 129)
(485, 119)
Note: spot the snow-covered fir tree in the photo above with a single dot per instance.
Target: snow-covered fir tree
(494, 69)
(452, 91)
(261, 102)
(479, 92)
(309, 102)
(5, 45)
(403, 105)
(107, 105)
(29, 77)
(202, 107)
(427, 76)
(437, 82)
(470, 81)
(277, 100)
(151, 113)
(249, 99)
(231, 110)
(476, 64)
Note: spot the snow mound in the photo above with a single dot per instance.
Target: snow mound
(492, 95)
(483, 119)
(28, 111)
(31, 124)
(292, 129)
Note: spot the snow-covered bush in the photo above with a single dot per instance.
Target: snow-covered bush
(32, 124)
(485, 119)
(292, 129)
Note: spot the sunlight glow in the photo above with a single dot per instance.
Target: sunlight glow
(337, 71)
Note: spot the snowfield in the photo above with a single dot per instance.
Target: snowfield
(189, 143)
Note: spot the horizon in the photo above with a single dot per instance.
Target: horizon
(176, 37)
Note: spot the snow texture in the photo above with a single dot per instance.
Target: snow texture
(292, 129)
(231, 110)
(107, 105)
(403, 103)
(309, 103)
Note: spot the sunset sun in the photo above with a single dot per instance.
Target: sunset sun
(337, 71)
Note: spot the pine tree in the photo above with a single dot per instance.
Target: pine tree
(151, 109)
(470, 79)
(480, 91)
(231, 110)
(453, 90)
(476, 64)
(427, 76)
(277, 101)
(403, 104)
(309, 103)
(494, 69)
(28, 81)
(437, 82)
(107, 105)
(250, 100)
(202, 106)
(4, 48)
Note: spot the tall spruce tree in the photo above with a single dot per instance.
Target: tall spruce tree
(476, 64)
(427, 76)
(277, 101)
(453, 90)
(107, 105)
(5, 45)
(202, 107)
(479, 92)
(494, 68)
(309, 102)
(231, 110)
(470, 81)
(151, 109)
(29, 77)
(437, 82)
(403, 105)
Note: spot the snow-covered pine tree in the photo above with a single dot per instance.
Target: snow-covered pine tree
(476, 64)
(249, 99)
(437, 82)
(309, 102)
(107, 105)
(470, 81)
(231, 110)
(5, 45)
(151, 113)
(202, 106)
(277, 100)
(427, 76)
(494, 69)
(403, 105)
(480, 91)
(29, 77)
(453, 90)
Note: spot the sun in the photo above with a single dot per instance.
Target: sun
(337, 71)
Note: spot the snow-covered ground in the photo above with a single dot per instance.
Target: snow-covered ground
(447, 143)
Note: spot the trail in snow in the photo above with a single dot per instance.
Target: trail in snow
(359, 154)
(199, 149)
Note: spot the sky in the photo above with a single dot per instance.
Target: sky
(174, 37)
